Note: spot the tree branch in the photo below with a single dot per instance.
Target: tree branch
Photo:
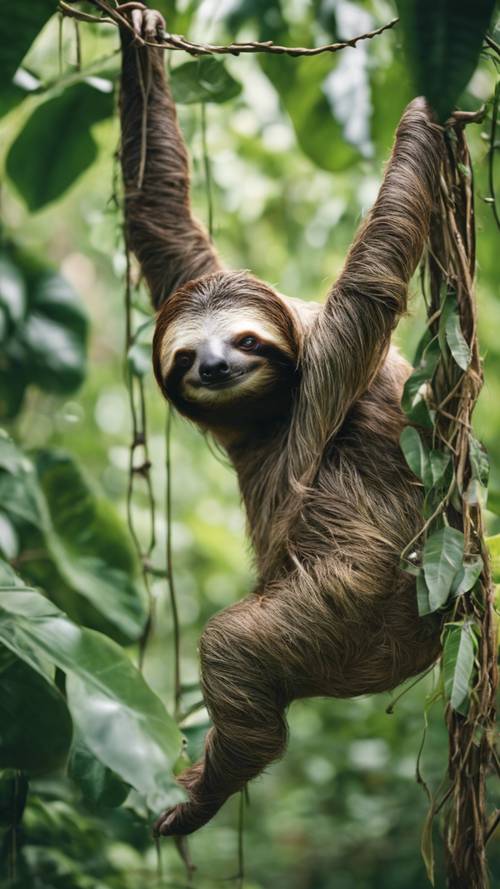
(178, 42)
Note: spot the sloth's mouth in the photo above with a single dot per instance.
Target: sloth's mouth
(228, 382)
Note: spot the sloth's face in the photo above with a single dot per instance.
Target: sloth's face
(225, 351)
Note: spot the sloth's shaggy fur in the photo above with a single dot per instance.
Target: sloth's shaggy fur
(329, 498)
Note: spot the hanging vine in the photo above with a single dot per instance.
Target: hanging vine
(449, 557)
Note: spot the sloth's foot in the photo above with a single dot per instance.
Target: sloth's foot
(184, 818)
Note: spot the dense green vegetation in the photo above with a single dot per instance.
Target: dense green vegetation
(88, 746)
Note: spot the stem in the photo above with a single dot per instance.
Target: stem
(207, 169)
(170, 569)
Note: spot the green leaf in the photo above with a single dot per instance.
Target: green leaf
(120, 719)
(458, 664)
(450, 331)
(44, 174)
(89, 546)
(414, 401)
(415, 452)
(442, 559)
(100, 786)
(12, 291)
(423, 603)
(299, 83)
(480, 465)
(443, 40)
(18, 486)
(205, 80)
(81, 550)
(438, 462)
(467, 576)
(493, 544)
(9, 541)
(18, 30)
(54, 336)
(35, 724)
(45, 337)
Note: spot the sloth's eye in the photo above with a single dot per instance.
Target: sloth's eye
(184, 359)
(248, 343)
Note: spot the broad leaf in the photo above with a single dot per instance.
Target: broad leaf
(415, 452)
(442, 559)
(90, 548)
(299, 83)
(438, 462)
(120, 719)
(18, 485)
(43, 175)
(45, 330)
(458, 664)
(12, 294)
(423, 603)
(54, 334)
(414, 401)
(32, 708)
(100, 787)
(443, 40)
(80, 550)
(18, 30)
(456, 340)
(467, 576)
(480, 464)
(204, 80)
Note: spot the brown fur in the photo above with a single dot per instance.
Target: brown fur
(329, 499)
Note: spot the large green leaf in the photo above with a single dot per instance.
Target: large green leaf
(61, 131)
(120, 719)
(100, 787)
(54, 334)
(443, 40)
(31, 708)
(80, 550)
(458, 664)
(18, 28)
(89, 548)
(299, 83)
(442, 559)
(205, 80)
(45, 330)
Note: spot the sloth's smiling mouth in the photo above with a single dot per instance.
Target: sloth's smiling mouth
(227, 382)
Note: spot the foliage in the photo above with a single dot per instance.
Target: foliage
(43, 330)
(443, 40)
(89, 751)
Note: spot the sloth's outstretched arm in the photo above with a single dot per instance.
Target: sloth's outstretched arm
(170, 245)
(350, 339)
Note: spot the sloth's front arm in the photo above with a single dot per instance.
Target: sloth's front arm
(349, 341)
(169, 243)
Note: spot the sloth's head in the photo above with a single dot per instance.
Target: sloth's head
(226, 350)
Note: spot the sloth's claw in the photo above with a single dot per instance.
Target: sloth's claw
(170, 822)
(148, 24)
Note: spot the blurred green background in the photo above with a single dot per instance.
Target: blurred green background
(295, 159)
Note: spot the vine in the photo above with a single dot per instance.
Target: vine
(449, 557)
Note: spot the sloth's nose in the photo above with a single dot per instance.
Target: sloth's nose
(214, 369)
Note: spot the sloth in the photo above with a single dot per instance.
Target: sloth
(305, 399)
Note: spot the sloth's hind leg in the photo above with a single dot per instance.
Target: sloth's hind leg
(253, 658)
